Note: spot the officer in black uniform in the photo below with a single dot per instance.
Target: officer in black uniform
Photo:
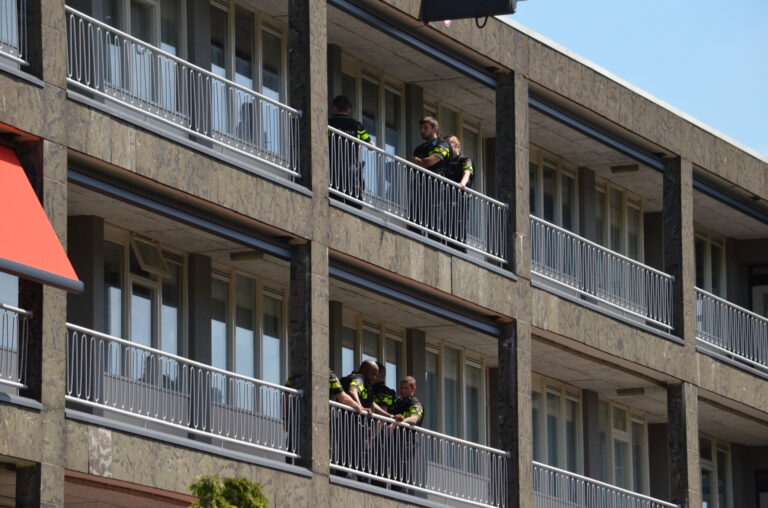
(408, 409)
(346, 168)
(428, 201)
(383, 396)
(462, 171)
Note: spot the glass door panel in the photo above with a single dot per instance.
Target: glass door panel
(370, 345)
(473, 416)
(245, 333)
(348, 339)
(431, 392)
(451, 380)
(394, 354)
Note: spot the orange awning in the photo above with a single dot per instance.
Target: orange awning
(29, 246)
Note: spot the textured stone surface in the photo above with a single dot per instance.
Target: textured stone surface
(683, 439)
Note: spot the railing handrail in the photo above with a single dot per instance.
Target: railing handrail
(425, 431)
(731, 304)
(586, 479)
(179, 60)
(181, 359)
(21, 312)
(602, 248)
(374, 148)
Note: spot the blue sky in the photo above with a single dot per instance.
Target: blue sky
(706, 58)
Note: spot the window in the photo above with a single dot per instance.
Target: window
(619, 221)
(247, 48)
(377, 102)
(248, 327)
(710, 263)
(553, 190)
(9, 289)
(143, 292)
(156, 22)
(623, 447)
(432, 389)
(556, 424)
(454, 398)
(715, 473)
(362, 339)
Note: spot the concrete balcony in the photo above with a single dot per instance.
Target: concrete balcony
(408, 197)
(731, 333)
(152, 86)
(607, 278)
(133, 384)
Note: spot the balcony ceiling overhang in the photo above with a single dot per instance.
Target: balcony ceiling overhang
(402, 62)
(173, 234)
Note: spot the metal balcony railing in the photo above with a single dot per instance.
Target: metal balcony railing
(366, 175)
(731, 332)
(141, 382)
(13, 30)
(591, 269)
(118, 67)
(416, 460)
(14, 335)
(556, 488)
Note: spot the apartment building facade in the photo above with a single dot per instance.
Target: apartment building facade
(586, 325)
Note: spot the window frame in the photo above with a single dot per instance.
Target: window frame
(360, 71)
(262, 22)
(259, 289)
(628, 200)
(357, 321)
(543, 386)
(563, 169)
(467, 357)
(123, 238)
(125, 16)
(710, 238)
(712, 467)
(631, 415)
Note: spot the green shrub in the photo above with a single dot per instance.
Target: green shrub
(213, 492)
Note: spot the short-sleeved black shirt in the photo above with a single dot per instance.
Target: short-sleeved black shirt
(350, 126)
(457, 166)
(408, 407)
(439, 147)
(363, 387)
(384, 396)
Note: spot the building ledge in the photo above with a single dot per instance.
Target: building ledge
(129, 428)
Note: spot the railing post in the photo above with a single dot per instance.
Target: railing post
(512, 159)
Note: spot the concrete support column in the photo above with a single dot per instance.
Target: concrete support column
(679, 259)
(416, 357)
(683, 444)
(308, 362)
(85, 236)
(587, 226)
(591, 425)
(43, 484)
(512, 156)
(414, 110)
(336, 336)
(200, 308)
(515, 429)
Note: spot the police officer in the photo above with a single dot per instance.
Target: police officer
(359, 386)
(460, 167)
(346, 170)
(383, 396)
(407, 408)
(434, 153)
